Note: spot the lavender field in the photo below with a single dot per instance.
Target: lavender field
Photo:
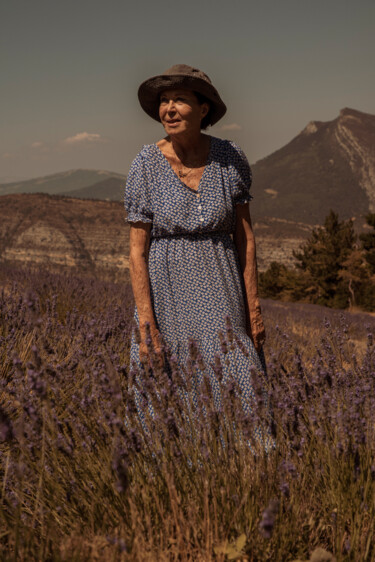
(82, 479)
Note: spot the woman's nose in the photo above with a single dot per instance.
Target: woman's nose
(171, 106)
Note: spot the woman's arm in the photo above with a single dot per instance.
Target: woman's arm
(138, 265)
(245, 244)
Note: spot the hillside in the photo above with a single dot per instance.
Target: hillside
(91, 236)
(65, 182)
(62, 232)
(329, 165)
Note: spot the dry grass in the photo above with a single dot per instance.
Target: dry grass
(81, 484)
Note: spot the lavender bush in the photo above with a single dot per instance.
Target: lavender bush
(84, 479)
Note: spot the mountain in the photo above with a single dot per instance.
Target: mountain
(329, 165)
(65, 182)
(109, 189)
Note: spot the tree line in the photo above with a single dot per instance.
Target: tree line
(335, 267)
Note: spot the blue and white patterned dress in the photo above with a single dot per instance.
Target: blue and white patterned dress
(194, 270)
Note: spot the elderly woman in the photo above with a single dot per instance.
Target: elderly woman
(192, 250)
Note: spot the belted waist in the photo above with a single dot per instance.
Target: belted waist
(194, 235)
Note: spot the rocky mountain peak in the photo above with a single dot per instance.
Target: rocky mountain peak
(355, 135)
(310, 128)
(349, 112)
(329, 165)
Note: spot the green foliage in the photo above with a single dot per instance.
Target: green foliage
(322, 257)
(280, 282)
(273, 281)
(366, 296)
(331, 269)
(368, 243)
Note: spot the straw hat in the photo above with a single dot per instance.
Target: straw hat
(180, 76)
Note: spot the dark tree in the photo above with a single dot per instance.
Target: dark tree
(368, 243)
(280, 282)
(323, 257)
(272, 281)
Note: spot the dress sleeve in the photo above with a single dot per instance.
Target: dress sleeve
(137, 200)
(240, 175)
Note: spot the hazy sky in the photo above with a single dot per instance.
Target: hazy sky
(70, 70)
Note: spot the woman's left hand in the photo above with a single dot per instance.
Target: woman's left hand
(245, 244)
(255, 329)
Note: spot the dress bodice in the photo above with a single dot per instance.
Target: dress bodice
(154, 192)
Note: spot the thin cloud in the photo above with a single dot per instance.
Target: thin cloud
(7, 155)
(37, 144)
(81, 138)
(231, 127)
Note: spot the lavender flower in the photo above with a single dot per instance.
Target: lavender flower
(6, 427)
(267, 522)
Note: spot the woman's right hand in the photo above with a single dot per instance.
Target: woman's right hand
(139, 275)
(147, 351)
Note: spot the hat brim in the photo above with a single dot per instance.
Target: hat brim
(149, 92)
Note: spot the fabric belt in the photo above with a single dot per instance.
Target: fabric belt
(194, 235)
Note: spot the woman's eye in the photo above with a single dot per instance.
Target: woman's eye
(178, 99)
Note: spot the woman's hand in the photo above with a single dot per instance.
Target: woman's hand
(150, 346)
(255, 328)
(138, 265)
(245, 244)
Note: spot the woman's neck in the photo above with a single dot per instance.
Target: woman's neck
(188, 144)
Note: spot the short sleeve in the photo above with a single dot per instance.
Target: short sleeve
(239, 174)
(137, 200)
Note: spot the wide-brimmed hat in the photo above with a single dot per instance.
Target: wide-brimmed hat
(180, 76)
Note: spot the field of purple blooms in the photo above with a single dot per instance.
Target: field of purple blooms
(82, 479)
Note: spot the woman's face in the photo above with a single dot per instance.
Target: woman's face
(181, 112)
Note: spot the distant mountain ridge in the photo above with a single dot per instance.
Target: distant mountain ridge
(111, 189)
(329, 165)
(72, 181)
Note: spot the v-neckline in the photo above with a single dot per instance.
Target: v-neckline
(208, 160)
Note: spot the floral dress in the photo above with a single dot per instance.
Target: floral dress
(196, 283)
